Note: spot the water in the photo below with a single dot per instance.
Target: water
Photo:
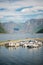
(19, 36)
(21, 56)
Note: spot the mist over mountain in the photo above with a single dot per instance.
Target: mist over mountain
(30, 26)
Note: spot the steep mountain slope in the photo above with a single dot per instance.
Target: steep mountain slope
(33, 25)
(30, 26)
(12, 27)
(2, 30)
(40, 31)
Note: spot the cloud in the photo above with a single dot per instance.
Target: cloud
(3, 9)
(16, 18)
(20, 10)
(9, 0)
(31, 10)
(40, 10)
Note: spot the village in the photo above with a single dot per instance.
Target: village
(30, 43)
(25, 43)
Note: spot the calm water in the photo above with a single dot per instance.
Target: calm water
(21, 56)
(19, 36)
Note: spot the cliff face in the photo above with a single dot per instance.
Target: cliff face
(30, 26)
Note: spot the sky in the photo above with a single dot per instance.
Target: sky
(20, 10)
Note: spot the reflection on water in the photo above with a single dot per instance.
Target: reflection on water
(11, 48)
(21, 56)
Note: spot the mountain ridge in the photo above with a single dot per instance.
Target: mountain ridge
(30, 26)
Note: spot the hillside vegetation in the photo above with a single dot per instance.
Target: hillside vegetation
(2, 29)
(40, 31)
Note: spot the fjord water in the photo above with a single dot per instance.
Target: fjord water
(18, 36)
(20, 56)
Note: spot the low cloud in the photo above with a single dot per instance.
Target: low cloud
(20, 10)
(3, 9)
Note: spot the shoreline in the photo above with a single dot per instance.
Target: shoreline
(2, 43)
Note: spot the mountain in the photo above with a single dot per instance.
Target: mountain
(33, 25)
(2, 30)
(12, 27)
(40, 31)
(30, 26)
